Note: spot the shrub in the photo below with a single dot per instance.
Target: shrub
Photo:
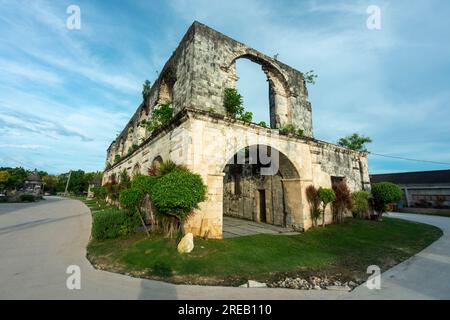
(177, 193)
(246, 116)
(146, 89)
(326, 196)
(130, 198)
(161, 115)
(100, 192)
(27, 198)
(117, 158)
(384, 193)
(314, 203)
(360, 204)
(342, 203)
(233, 102)
(169, 166)
(113, 223)
(290, 129)
(263, 124)
(143, 183)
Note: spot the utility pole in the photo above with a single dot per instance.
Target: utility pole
(67, 184)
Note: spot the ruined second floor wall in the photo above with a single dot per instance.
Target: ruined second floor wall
(196, 75)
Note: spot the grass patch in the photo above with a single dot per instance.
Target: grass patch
(347, 249)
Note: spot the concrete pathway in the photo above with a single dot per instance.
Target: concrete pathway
(39, 241)
(234, 227)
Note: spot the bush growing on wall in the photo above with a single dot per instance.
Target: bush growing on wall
(233, 102)
(385, 193)
(113, 223)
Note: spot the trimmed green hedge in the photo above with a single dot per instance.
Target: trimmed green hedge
(177, 193)
(113, 223)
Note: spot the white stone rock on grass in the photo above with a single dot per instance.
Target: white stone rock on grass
(186, 244)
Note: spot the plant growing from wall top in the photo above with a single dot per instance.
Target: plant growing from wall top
(355, 142)
(385, 193)
(314, 204)
(233, 103)
(117, 158)
(310, 77)
(146, 89)
(326, 196)
(290, 129)
(343, 201)
(263, 124)
(160, 116)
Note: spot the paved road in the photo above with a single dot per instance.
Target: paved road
(39, 241)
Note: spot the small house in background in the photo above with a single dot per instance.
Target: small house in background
(33, 185)
(421, 189)
(94, 183)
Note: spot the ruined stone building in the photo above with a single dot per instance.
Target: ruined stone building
(202, 137)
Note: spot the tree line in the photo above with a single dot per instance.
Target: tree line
(14, 179)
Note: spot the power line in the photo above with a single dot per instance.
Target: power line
(409, 159)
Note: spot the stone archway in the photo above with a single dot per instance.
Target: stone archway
(252, 192)
(278, 91)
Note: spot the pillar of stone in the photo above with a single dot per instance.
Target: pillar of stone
(293, 200)
(207, 219)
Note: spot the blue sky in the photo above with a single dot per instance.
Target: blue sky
(64, 94)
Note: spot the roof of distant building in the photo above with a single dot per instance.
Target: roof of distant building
(417, 177)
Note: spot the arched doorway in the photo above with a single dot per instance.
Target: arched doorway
(252, 192)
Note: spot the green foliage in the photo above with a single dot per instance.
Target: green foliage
(132, 149)
(131, 198)
(290, 129)
(100, 192)
(4, 178)
(27, 198)
(169, 166)
(263, 124)
(146, 89)
(355, 142)
(15, 178)
(246, 116)
(143, 183)
(113, 223)
(233, 102)
(117, 158)
(326, 196)
(125, 181)
(360, 204)
(314, 203)
(161, 115)
(343, 201)
(385, 193)
(177, 193)
(310, 77)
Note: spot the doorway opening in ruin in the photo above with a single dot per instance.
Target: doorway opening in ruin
(253, 85)
(266, 196)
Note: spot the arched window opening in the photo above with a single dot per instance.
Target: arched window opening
(253, 85)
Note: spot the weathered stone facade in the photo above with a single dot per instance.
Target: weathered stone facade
(204, 139)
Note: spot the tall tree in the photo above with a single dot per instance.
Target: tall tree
(355, 142)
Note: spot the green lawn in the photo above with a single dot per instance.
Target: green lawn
(346, 249)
